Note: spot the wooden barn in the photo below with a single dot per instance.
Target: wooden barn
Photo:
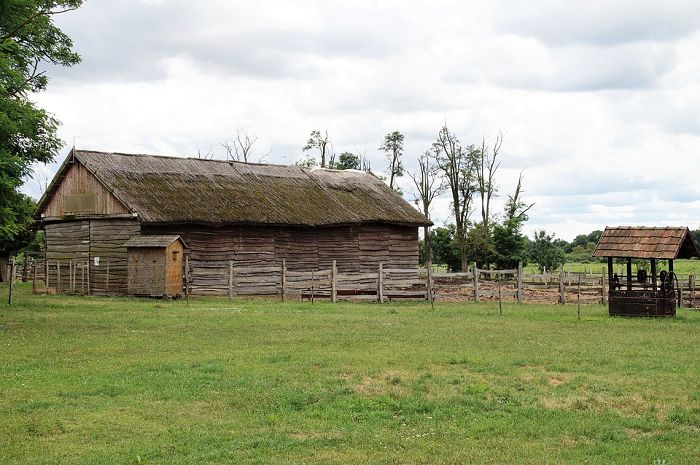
(250, 214)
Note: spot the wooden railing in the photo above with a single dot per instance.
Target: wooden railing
(382, 284)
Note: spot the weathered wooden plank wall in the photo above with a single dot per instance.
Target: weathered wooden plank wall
(107, 238)
(81, 192)
(355, 249)
(74, 244)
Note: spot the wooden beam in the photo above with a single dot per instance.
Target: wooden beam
(629, 274)
(653, 274)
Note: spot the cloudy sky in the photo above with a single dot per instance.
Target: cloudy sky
(599, 101)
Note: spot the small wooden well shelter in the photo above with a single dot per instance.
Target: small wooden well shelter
(654, 293)
(155, 265)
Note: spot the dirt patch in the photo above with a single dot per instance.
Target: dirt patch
(392, 383)
(626, 405)
(556, 381)
(310, 435)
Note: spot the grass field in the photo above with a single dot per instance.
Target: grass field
(679, 266)
(119, 381)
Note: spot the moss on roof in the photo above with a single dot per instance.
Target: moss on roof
(177, 190)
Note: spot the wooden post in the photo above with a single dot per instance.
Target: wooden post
(46, 277)
(653, 274)
(610, 275)
(500, 303)
(230, 280)
(520, 282)
(680, 293)
(562, 295)
(187, 278)
(692, 291)
(71, 287)
(629, 274)
(58, 277)
(380, 284)
(429, 288)
(603, 289)
(578, 299)
(25, 268)
(88, 276)
(12, 280)
(82, 279)
(334, 280)
(33, 276)
(476, 283)
(284, 279)
(312, 287)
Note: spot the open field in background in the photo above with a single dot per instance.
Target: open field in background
(679, 266)
(114, 381)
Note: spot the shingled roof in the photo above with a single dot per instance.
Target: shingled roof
(166, 190)
(642, 242)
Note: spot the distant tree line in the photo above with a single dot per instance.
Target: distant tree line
(543, 249)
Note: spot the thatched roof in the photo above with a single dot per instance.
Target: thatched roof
(166, 190)
(641, 242)
(153, 241)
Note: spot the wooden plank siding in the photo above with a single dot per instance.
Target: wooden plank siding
(79, 192)
(107, 238)
(355, 249)
(80, 242)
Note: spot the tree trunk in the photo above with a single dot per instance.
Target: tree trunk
(4, 263)
(427, 253)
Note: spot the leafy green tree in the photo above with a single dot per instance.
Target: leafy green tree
(29, 40)
(545, 252)
(456, 164)
(445, 248)
(347, 161)
(510, 245)
(22, 211)
(696, 235)
(307, 162)
(480, 249)
(320, 143)
(393, 147)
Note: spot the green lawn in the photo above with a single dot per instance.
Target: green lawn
(116, 381)
(683, 267)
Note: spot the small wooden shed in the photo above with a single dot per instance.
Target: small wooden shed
(652, 294)
(155, 265)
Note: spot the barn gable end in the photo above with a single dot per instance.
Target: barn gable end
(77, 192)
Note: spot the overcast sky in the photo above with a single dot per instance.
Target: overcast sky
(599, 101)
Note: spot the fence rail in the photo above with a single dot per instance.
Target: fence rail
(226, 278)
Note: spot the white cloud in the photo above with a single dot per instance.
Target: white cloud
(597, 100)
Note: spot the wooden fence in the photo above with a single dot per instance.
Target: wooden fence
(225, 278)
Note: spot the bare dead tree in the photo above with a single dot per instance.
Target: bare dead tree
(209, 155)
(457, 165)
(516, 209)
(240, 148)
(365, 164)
(428, 186)
(486, 168)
